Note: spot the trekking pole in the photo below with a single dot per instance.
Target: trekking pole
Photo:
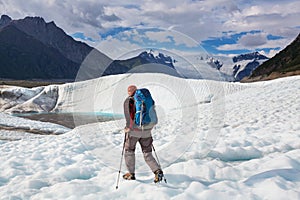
(158, 163)
(121, 161)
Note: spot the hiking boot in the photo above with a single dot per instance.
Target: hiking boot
(158, 176)
(129, 176)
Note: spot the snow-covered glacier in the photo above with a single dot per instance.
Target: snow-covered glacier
(215, 140)
(106, 94)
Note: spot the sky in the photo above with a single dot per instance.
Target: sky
(219, 27)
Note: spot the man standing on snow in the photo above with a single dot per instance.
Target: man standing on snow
(134, 135)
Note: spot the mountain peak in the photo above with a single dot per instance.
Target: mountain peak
(37, 23)
(4, 20)
(157, 57)
(249, 56)
(35, 19)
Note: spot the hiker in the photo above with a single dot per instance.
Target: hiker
(135, 134)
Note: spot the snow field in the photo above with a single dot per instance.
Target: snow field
(251, 150)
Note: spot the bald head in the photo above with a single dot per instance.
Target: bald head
(131, 90)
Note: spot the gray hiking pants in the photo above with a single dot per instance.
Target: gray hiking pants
(146, 145)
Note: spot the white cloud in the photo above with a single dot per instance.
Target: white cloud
(228, 47)
(268, 16)
(147, 38)
(159, 36)
(117, 49)
(248, 43)
(183, 39)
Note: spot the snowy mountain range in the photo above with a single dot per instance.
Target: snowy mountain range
(226, 68)
(145, 62)
(237, 67)
(245, 64)
(44, 51)
(34, 49)
(154, 61)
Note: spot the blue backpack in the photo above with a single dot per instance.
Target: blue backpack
(144, 106)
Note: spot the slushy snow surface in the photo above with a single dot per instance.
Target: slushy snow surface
(251, 151)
